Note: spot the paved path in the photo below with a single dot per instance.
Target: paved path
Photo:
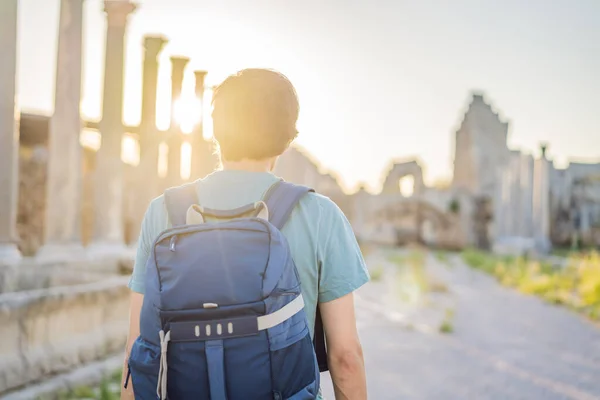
(504, 346)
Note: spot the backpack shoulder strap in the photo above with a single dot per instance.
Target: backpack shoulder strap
(281, 198)
(178, 200)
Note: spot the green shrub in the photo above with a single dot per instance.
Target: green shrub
(446, 326)
(576, 286)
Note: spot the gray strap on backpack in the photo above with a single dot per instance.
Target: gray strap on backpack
(281, 198)
(178, 200)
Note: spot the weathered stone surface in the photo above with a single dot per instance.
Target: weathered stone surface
(90, 374)
(30, 274)
(481, 148)
(541, 204)
(63, 194)
(145, 181)
(108, 239)
(9, 129)
(175, 139)
(399, 170)
(32, 200)
(49, 331)
(33, 164)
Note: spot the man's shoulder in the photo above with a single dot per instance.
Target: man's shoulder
(157, 214)
(322, 212)
(158, 206)
(319, 203)
(156, 219)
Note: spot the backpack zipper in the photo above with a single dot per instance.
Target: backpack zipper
(283, 292)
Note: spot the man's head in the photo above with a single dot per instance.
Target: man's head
(254, 115)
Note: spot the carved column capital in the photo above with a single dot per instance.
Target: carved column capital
(200, 75)
(179, 63)
(153, 45)
(117, 11)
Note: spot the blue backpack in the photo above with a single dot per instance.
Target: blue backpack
(223, 314)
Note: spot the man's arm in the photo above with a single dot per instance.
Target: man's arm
(151, 224)
(344, 352)
(135, 308)
(342, 271)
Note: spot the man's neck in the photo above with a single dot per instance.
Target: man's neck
(249, 165)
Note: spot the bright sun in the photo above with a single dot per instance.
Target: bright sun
(187, 113)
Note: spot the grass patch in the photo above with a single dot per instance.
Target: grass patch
(413, 265)
(412, 280)
(446, 326)
(376, 273)
(576, 286)
(442, 257)
(398, 259)
(567, 252)
(109, 389)
(106, 393)
(416, 262)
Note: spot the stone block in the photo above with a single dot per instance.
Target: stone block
(52, 330)
(9, 276)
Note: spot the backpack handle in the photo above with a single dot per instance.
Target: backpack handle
(196, 214)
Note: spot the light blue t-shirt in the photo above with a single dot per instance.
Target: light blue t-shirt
(321, 240)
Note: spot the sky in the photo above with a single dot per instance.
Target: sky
(377, 80)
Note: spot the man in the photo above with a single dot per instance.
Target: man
(254, 122)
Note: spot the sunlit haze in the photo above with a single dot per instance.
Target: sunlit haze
(377, 80)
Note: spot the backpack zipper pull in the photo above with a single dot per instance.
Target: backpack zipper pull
(172, 243)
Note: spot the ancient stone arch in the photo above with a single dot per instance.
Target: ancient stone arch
(398, 171)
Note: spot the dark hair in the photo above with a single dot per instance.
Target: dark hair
(254, 115)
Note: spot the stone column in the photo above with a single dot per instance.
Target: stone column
(9, 133)
(527, 195)
(63, 193)
(149, 139)
(108, 186)
(203, 161)
(499, 207)
(175, 140)
(514, 166)
(147, 170)
(541, 202)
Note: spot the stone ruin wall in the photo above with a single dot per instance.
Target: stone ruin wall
(33, 163)
(32, 198)
(51, 331)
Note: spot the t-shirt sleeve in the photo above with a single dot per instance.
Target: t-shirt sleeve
(154, 218)
(341, 264)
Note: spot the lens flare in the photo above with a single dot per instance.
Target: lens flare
(187, 113)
